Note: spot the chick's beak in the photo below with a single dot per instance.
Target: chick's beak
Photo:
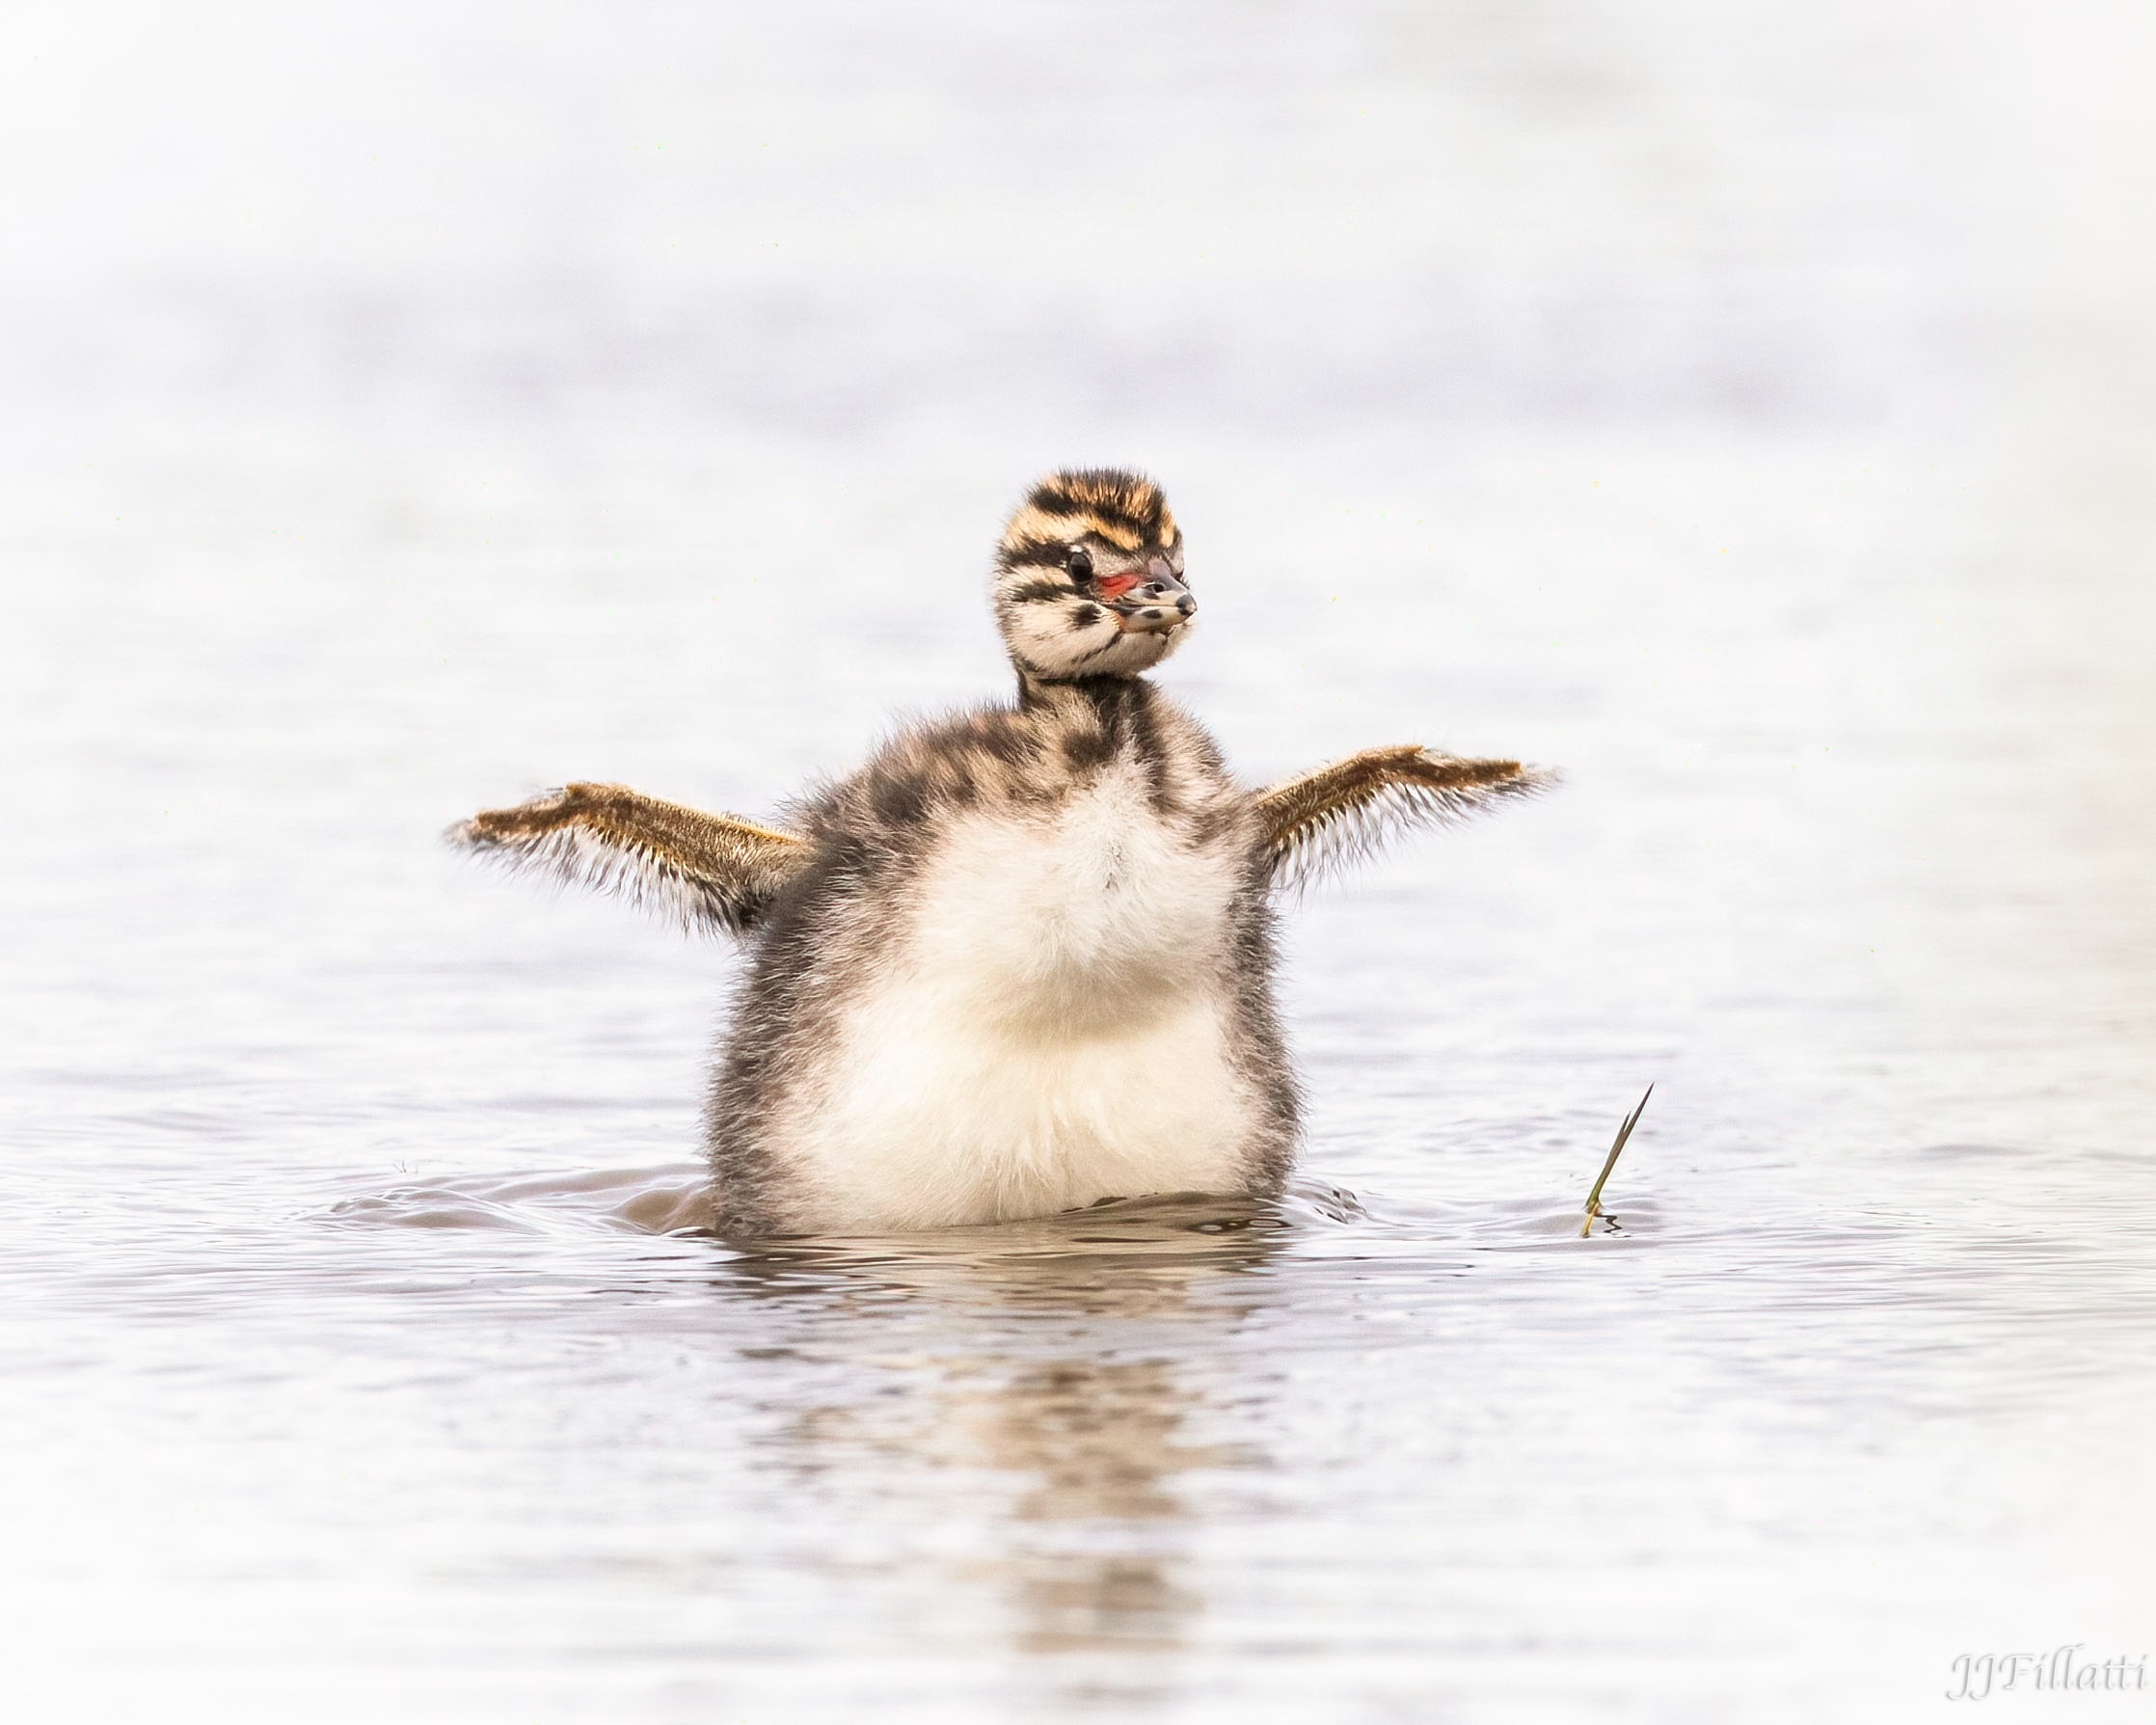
(1157, 604)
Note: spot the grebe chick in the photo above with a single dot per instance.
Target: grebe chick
(1021, 960)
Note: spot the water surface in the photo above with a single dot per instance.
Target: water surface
(1637, 395)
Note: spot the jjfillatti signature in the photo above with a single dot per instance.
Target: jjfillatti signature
(1980, 1674)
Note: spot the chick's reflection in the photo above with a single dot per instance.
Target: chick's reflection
(1048, 1418)
(1098, 1447)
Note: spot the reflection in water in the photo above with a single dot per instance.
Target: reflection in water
(1062, 1385)
(1097, 1446)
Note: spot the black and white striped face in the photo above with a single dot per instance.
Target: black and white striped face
(1090, 578)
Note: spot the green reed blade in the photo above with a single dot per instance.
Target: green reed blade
(1624, 1132)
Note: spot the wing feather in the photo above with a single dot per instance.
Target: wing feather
(707, 873)
(1326, 820)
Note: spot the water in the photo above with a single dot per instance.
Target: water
(1637, 395)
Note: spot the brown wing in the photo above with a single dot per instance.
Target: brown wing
(1342, 813)
(707, 871)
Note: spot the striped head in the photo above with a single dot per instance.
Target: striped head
(1090, 578)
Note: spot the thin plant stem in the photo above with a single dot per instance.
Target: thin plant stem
(1594, 1198)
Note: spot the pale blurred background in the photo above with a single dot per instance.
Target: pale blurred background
(1751, 410)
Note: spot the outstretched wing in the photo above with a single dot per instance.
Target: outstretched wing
(1342, 813)
(707, 872)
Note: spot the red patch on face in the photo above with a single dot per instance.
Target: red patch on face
(1115, 586)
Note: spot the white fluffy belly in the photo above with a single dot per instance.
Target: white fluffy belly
(1049, 1027)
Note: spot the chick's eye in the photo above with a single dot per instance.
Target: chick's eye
(1080, 565)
